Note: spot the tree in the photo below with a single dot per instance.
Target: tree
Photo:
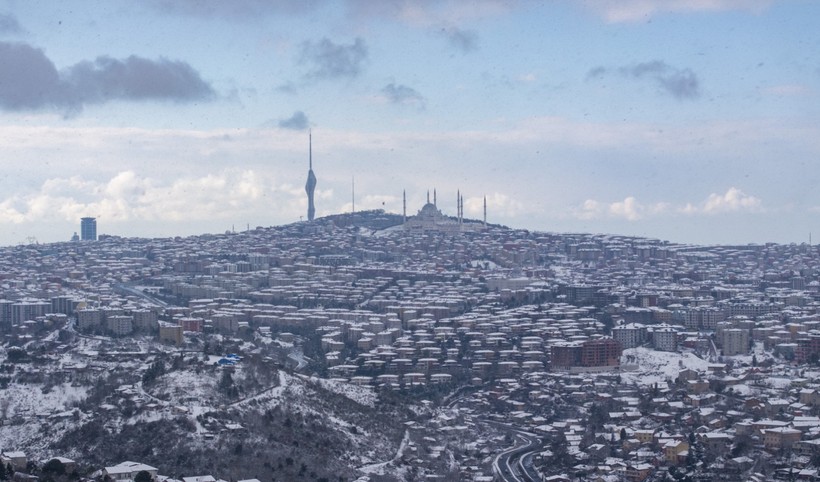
(227, 386)
(558, 447)
(608, 322)
(16, 354)
(153, 372)
(143, 476)
(53, 467)
(598, 416)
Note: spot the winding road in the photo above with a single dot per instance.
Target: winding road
(514, 464)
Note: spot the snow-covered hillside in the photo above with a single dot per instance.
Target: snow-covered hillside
(642, 366)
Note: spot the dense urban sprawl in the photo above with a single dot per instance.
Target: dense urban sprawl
(500, 354)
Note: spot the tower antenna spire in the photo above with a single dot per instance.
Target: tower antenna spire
(310, 186)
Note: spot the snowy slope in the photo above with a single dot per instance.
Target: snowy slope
(642, 366)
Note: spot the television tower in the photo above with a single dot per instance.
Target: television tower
(310, 186)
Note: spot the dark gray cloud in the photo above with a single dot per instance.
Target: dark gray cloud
(327, 60)
(401, 94)
(679, 83)
(298, 121)
(136, 78)
(464, 40)
(9, 25)
(234, 9)
(29, 80)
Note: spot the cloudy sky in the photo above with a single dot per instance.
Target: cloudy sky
(687, 120)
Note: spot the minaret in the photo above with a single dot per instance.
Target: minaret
(404, 204)
(310, 186)
(458, 206)
(485, 211)
(434, 198)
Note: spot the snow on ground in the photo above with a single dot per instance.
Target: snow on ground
(778, 382)
(642, 366)
(26, 403)
(388, 231)
(378, 468)
(186, 385)
(272, 396)
(758, 352)
(361, 395)
(743, 390)
(29, 400)
(299, 357)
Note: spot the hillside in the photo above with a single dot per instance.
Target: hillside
(189, 416)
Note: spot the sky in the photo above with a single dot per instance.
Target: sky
(693, 121)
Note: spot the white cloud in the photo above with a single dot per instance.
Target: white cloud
(130, 197)
(615, 11)
(589, 209)
(630, 209)
(387, 202)
(732, 200)
(498, 204)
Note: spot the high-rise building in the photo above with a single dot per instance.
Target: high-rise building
(602, 353)
(88, 229)
(736, 342)
(310, 186)
(629, 336)
(665, 338)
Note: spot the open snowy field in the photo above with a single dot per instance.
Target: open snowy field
(646, 367)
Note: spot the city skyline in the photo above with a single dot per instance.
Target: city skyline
(690, 121)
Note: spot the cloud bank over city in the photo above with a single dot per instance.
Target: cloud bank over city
(165, 118)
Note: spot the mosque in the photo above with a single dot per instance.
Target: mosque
(431, 219)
